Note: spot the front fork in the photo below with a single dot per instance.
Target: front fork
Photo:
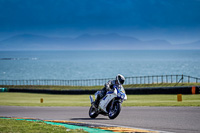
(111, 106)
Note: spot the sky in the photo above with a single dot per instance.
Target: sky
(177, 21)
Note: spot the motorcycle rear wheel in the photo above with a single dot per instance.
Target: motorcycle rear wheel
(92, 113)
(114, 112)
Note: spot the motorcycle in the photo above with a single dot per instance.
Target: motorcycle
(110, 104)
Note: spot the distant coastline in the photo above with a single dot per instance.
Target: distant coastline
(111, 41)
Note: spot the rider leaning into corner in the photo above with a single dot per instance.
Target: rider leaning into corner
(109, 86)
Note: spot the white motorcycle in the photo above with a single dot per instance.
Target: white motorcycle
(110, 104)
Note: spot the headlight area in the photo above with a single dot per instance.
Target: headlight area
(122, 96)
(119, 95)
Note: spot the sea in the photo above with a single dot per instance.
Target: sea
(99, 64)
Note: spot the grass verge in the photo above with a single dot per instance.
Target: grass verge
(23, 126)
(29, 99)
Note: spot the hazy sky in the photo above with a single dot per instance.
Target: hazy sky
(173, 20)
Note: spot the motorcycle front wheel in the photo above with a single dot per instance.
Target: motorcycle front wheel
(114, 112)
(92, 112)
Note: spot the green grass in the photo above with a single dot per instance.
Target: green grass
(22, 126)
(29, 99)
(96, 87)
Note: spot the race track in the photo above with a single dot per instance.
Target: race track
(170, 119)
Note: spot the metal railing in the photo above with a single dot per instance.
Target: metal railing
(155, 79)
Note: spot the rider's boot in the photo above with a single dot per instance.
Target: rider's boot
(99, 96)
(96, 102)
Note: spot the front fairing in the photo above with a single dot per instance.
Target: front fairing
(121, 94)
(123, 91)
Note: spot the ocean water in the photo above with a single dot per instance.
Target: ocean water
(69, 65)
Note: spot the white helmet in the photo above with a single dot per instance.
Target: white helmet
(120, 79)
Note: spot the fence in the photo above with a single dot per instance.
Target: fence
(156, 79)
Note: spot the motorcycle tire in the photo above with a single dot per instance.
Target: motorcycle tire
(92, 113)
(114, 112)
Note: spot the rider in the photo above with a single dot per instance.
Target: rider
(109, 86)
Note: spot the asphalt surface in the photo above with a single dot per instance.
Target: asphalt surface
(170, 119)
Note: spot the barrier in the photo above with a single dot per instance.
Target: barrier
(3, 89)
(130, 91)
(162, 90)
